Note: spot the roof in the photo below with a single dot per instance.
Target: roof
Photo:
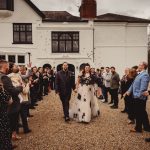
(60, 16)
(64, 16)
(110, 17)
(36, 9)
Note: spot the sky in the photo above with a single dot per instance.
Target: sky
(136, 8)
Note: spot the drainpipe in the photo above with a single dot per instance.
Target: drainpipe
(93, 43)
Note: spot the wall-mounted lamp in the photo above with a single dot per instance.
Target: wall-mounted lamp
(29, 56)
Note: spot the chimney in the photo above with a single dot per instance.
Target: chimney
(88, 9)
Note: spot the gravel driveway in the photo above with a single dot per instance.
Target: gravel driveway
(110, 131)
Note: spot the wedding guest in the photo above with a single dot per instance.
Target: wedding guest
(139, 86)
(106, 80)
(7, 90)
(114, 86)
(124, 87)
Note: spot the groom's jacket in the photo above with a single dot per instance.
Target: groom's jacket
(64, 82)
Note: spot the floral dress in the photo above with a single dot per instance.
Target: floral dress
(86, 103)
(5, 132)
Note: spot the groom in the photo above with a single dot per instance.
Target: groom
(64, 84)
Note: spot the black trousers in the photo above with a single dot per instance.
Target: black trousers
(129, 107)
(65, 103)
(106, 90)
(46, 84)
(141, 115)
(14, 120)
(23, 114)
(40, 93)
(114, 96)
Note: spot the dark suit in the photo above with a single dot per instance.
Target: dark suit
(64, 85)
(13, 110)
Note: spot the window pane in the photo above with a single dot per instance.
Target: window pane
(75, 46)
(62, 46)
(21, 59)
(54, 36)
(22, 37)
(63, 37)
(68, 46)
(11, 58)
(29, 27)
(68, 37)
(76, 36)
(2, 57)
(16, 36)
(29, 36)
(3, 4)
(22, 27)
(16, 27)
(55, 46)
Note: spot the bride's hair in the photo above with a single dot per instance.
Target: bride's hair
(83, 72)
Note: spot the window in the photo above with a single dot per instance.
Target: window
(3, 4)
(7, 5)
(12, 58)
(21, 59)
(65, 42)
(22, 33)
(3, 57)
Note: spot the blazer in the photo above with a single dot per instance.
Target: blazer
(140, 85)
(64, 82)
(114, 82)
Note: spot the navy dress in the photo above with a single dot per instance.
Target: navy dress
(5, 132)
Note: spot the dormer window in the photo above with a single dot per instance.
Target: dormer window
(7, 5)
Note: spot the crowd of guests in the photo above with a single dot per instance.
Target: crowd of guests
(20, 89)
(133, 88)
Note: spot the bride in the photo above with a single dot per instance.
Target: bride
(86, 102)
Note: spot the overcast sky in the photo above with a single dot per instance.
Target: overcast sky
(137, 8)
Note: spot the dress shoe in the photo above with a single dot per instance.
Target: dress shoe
(123, 111)
(67, 119)
(135, 131)
(32, 107)
(114, 107)
(110, 103)
(30, 116)
(147, 130)
(131, 122)
(147, 139)
(27, 131)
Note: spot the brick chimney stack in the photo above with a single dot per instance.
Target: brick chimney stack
(88, 9)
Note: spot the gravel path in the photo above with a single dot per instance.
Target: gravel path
(110, 131)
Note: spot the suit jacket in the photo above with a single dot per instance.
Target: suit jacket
(114, 82)
(13, 91)
(64, 82)
(140, 85)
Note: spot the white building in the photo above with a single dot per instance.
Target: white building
(26, 33)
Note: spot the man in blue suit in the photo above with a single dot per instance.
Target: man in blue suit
(137, 89)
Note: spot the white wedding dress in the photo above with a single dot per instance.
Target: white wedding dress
(85, 105)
